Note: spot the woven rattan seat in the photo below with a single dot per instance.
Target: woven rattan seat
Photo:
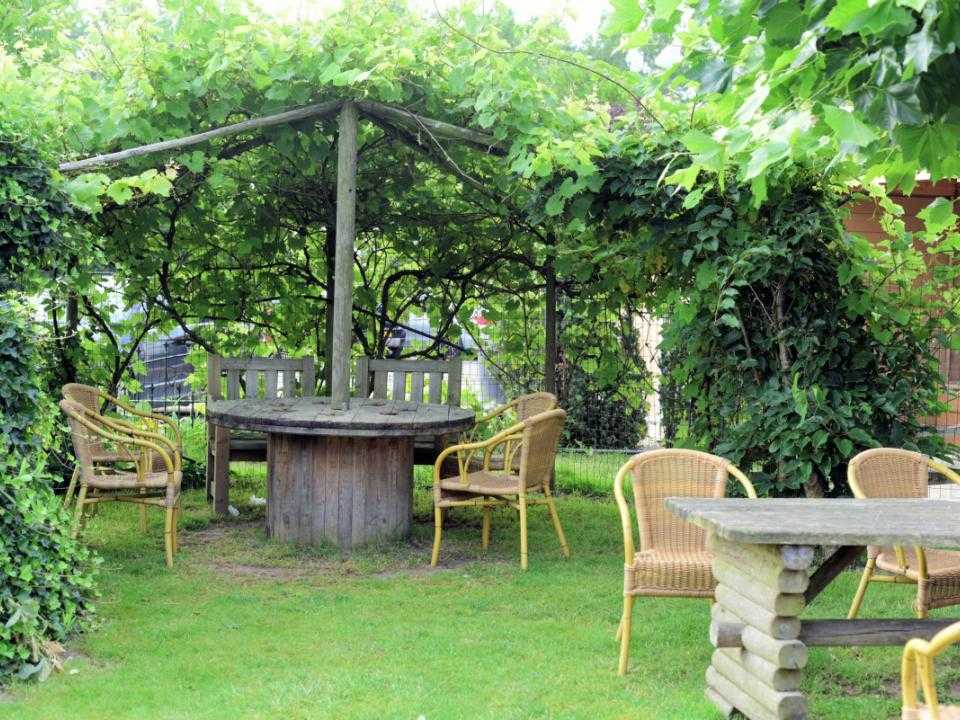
(485, 483)
(896, 473)
(673, 560)
(534, 441)
(666, 573)
(132, 481)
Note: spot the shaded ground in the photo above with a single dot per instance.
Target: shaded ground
(247, 628)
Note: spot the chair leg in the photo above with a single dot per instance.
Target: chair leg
(619, 633)
(71, 488)
(437, 533)
(522, 504)
(143, 515)
(168, 535)
(78, 511)
(176, 527)
(862, 588)
(485, 531)
(625, 627)
(552, 507)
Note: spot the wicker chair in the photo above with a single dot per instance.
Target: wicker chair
(92, 432)
(895, 473)
(523, 407)
(673, 560)
(535, 439)
(918, 657)
(92, 399)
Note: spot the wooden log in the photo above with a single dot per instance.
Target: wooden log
(788, 654)
(781, 705)
(437, 128)
(781, 628)
(862, 633)
(763, 594)
(839, 561)
(735, 697)
(725, 708)
(343, 273)
(777, 678)
(796, 557)
(726, 634)
(763, 562)
(310, 111)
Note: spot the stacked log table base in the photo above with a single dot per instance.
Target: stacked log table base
(759, 597)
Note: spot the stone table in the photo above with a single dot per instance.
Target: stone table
(764, 553)
(339, 476)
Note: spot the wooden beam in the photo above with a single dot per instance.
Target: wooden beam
(310, 111)
(841, 633)
(437, 128)
(343, 264)
(841, 559)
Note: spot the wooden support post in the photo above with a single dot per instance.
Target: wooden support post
(755, 628)
(343, 271)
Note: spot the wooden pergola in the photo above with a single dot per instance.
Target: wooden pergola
(415, 129)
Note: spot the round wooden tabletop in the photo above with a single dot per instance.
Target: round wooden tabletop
(371, 417)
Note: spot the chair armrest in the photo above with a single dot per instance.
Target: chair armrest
(624, 508)
(122, 435)
(942, 469)
(171, 448)
(465, 452)
(470, 436)
(743, 480)
(918, 656)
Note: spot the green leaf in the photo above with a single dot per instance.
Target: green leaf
(847, 127)
(921, 49)
(119, 191)
(938, 215)
(663, 9)
(555, 204)
(765, 156)
(700, 143)
(684, 177)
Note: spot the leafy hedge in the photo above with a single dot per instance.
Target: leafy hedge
(46, 577)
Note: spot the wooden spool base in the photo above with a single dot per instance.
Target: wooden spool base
(344, 491)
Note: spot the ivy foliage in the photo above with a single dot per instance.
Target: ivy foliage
(46, 577)
(793, 344)
(31, 210)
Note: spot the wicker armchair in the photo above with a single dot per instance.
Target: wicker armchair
(918, 657)
(523, 407)
(673, 560)
(92, 399)
(895, 473)
(144, 485)
(535, 441)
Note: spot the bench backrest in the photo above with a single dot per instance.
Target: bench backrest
(282, 377)
(411, 380)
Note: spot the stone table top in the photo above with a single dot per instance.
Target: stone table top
(799, 521)
(370, 417)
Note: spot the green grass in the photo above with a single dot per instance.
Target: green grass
(246, 628)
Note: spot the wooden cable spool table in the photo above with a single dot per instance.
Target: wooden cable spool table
(339, 476)
(763, 557)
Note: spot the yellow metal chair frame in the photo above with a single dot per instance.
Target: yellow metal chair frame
(91, 398)
(150, 450)
(693, 586)
(922, 605)
(918, 657)
(514, 492)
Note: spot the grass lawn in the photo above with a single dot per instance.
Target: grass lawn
(246, 628)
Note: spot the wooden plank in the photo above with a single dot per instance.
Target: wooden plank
(270, 384)
(317, 110)
(862, 633)
(416, 387)
(399, 385)
(308, 378)
(380, 385)
(343, 264)
(233, 384)
(261, 363)
(252, 381)
(436, 387)
(454, 382)
(834, 521)
(221, 472)
(841, 559)
(363, 377)
(214, 389)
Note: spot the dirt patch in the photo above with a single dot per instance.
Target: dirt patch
(264, 572)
